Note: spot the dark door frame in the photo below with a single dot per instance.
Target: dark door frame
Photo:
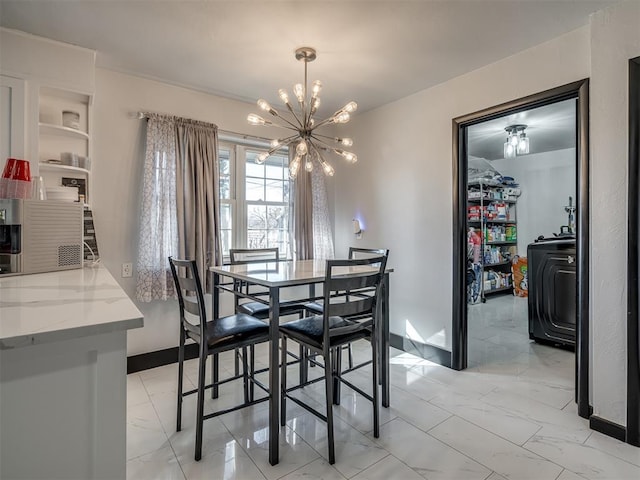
(580, 91)
(633, 245)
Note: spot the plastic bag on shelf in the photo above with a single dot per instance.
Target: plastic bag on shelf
(480, 170)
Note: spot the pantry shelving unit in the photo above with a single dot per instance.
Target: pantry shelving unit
(492, 234)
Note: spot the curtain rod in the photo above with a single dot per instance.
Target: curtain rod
(139, 115)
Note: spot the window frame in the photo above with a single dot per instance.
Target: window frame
(238, 199)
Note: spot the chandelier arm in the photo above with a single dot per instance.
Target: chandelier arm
(324, 145)
(286, 142)
(322, 136)
(316, 149)
(293, 125)
(325, 121)
(292, 111)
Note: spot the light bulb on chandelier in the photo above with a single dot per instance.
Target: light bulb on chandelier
(309, 144)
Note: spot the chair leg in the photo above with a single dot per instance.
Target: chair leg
(215, 375)
(245, 374)
(374, 383)
(350, 349)
(328, 381)
(252, 370)
(283, 382)
(202, 370)
(236, 355)
(180, 376)
(304, 365)
(336, 367)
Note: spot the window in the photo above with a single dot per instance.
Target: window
(254, 199)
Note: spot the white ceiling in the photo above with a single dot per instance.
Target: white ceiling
(373, 52)
(551, 127)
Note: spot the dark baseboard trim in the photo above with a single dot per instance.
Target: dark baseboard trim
(429, 352)
(145, 361)
(608, 428)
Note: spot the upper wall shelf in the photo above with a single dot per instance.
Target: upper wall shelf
(51, 129)
(58, 167)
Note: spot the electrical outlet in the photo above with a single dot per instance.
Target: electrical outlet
(127, 270)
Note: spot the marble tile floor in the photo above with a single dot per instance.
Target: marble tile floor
(491, 422)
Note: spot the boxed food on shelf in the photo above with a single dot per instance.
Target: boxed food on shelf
(474, 213)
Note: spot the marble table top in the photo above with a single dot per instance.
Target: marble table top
(286, 273)
(55, 306)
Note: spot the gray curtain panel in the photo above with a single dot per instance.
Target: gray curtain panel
(197, 194)
(303, 215)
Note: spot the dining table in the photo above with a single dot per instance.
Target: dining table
(273, 277)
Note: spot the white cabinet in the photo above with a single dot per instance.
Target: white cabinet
(12, 119)
(58, 143)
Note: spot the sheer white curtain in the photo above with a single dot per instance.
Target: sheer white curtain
(158, 223)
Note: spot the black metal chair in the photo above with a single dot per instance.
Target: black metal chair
(240, 256)
(346, 317)
(213, 337)
(315, 308)
(243, 256)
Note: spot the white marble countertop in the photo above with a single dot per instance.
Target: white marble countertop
(55, 306)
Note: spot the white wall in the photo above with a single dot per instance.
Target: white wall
(546, 181)
(402, 183)
(615, 39)
(117, 169)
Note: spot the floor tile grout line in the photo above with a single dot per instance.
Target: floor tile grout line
(462, 453)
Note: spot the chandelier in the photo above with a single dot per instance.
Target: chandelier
(309, 144)
(517, 142)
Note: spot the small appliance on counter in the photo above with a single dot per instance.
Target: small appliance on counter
(552, 290)
(39, 236)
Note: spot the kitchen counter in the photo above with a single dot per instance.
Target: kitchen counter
(49, 307)
(63, 356)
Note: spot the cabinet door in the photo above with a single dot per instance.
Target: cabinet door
(12, 118)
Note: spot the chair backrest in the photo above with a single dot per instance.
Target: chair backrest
(355, 252)
(351, 289)
(239, 256)
(187, 282)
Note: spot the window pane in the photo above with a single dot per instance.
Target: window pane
(253, 169)
(255, 189)
(256, 239)
(225, 174)
(277, 217)
(275, 171)
(256, 217)
(225, 217)
(226, 241)
(274, 191)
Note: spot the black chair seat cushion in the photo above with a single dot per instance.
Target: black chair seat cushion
(308, 330)
(236, 330)
(314, 307)
(261, 311)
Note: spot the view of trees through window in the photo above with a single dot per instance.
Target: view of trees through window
(254, 199)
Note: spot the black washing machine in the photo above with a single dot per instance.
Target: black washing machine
(552, 291)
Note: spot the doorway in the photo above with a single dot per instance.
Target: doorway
(462, 126)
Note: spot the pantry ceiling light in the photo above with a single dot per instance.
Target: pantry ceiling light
(517, 141)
